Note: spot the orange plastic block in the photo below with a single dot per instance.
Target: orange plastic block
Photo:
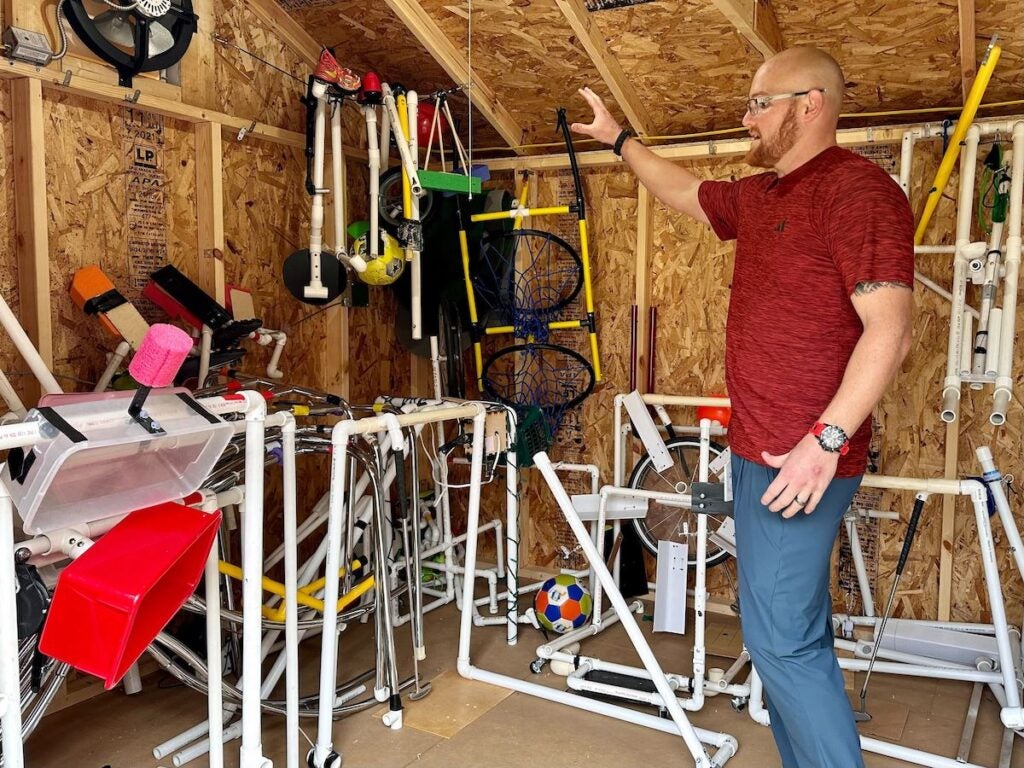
(88, 283)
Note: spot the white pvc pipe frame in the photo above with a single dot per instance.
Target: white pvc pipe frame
(23, 435)
(698, 681)
(1012, 714)
(324, 101)
(323, 754)
(693, 737)
(1001, 344)
(512, 587)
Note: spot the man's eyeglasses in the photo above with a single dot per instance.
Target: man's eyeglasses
(759, 104)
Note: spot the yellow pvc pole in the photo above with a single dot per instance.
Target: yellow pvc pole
(344, 601)
(518, 213)
(588, 294)
(403, 118)
(478, 356)
(949, 159)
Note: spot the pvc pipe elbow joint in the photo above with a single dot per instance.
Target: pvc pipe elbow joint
(1012, 717)
(394, 432)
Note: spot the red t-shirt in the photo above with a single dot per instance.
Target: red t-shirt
(803, 243)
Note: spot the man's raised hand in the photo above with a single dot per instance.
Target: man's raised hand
(603, 128)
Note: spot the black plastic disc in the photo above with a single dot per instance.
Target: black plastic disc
(332, 274)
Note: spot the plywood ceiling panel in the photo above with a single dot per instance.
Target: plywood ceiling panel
(895, 55)
(689, 65)
(528, 55)
(1005, 18)
(368, 36)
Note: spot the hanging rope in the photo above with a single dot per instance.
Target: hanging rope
(469, 87)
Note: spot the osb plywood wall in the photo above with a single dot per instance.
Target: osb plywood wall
(891, 53)
(10, 362)
(120, 194)
(710, 63)
(533, 60)
(249, 88)
(266, 217)
(1002, 16)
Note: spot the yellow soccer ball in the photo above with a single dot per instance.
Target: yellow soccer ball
(389, 264)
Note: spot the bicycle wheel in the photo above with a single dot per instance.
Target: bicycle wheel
(449, 348)
(390, 200)
(666, 523)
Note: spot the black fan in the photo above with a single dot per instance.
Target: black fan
(135, 35)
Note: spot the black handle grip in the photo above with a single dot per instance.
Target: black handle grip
(915, 516)
(311, 103)
(403, 506)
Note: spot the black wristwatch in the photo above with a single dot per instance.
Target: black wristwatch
(831, 438)
(625, 134)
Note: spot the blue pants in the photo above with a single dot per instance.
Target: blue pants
(786, 616)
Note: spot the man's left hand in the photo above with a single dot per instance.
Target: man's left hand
(805, 473)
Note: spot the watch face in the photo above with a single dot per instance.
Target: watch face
(832, 438)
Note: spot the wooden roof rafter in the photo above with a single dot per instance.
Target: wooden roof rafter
(755, 21)
(968, 52)
(291, 33)
(607, 64)
(454, 63)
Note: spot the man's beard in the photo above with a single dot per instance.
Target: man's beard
(766, 152)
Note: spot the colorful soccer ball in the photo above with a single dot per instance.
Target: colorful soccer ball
(563, 604)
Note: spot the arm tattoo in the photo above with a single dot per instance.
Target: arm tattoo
(869, 287)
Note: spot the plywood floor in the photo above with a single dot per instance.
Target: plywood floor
(467, 725)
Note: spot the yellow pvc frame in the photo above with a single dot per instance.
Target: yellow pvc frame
(518, 213)
(305, 593)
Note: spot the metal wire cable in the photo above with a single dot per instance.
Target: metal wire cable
(224, 41)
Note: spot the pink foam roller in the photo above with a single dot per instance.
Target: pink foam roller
(160, 355)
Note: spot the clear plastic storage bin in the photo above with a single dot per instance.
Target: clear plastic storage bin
(119, 466)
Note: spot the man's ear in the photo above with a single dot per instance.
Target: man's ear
(815, 103)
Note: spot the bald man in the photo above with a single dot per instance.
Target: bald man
(819, 323)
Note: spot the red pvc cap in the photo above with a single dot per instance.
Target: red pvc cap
(721, 414)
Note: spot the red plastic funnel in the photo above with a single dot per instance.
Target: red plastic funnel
(113, 601)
